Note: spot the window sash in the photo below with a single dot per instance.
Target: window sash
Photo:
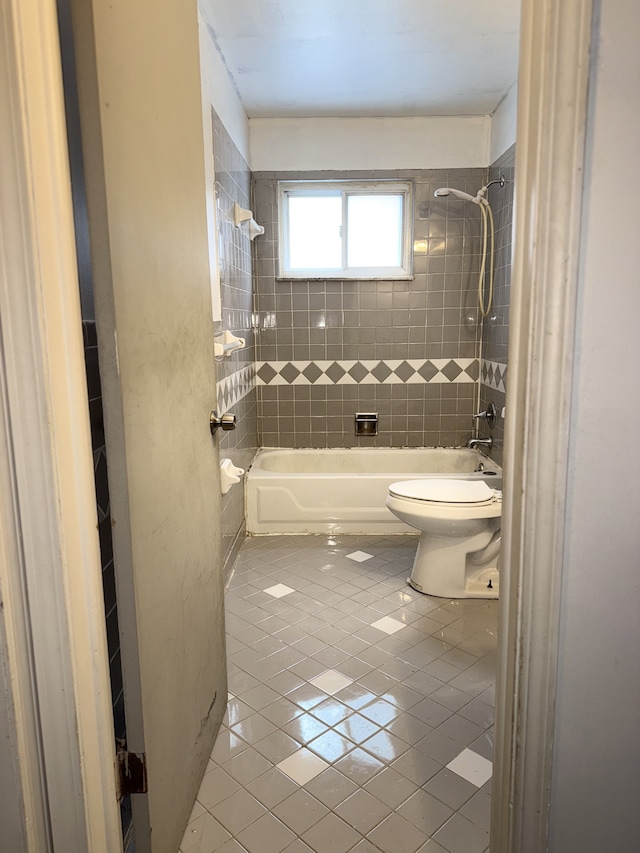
(345, 189)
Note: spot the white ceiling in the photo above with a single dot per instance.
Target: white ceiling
(367, 57)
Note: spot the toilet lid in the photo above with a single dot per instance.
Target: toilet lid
(448, 491)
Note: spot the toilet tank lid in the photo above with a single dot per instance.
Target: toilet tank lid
(449, 491)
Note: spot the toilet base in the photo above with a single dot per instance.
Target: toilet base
(450, 569)
(474, 587)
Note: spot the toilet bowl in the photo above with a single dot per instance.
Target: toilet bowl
(459, 545)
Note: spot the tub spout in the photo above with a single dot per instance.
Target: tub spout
(480, 442)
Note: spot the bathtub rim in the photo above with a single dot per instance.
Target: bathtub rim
(255, 468)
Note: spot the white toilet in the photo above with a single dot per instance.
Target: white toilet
(459, 524)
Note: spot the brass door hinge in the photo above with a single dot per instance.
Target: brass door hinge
(132, 770)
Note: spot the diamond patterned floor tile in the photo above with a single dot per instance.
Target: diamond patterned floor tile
(349, 692)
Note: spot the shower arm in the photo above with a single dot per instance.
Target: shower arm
(482, 192)
(499, 180)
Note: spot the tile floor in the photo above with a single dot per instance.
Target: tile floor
(360, 712)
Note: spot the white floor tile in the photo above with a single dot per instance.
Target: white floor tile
(204, 835)
(331, 681)
(472, 767)
(359, 556)
(388, 625)
(302, 766)
(377, 692)
(279, 590)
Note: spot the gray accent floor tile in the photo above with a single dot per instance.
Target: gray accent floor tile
(331, 835)
(396, 835)
(331, 787)
(272, 787)
(305, 728)
(331, 746)
(425, 812)
(450, 788)
(357, 728)
(216, 786)
(478, 809)
(266, 835)
(459, 835)
(359, 766)
(300, 811)
(238, 811)
(204, 835)
(362, 811)
(246, 766)
(391, 787)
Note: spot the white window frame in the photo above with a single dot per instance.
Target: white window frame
(346, 188)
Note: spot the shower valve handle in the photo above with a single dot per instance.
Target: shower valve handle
(489, 416)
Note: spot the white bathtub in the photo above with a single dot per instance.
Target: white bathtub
(344, 490)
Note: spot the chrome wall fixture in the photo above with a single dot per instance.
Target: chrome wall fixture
(490, 416)
(225, 422)
(366, 423)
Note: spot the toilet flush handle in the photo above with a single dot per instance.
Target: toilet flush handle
(226, 421)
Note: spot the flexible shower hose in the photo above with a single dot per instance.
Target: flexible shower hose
(486, 208)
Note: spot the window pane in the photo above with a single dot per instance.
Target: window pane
(315, 225)
(375, 231)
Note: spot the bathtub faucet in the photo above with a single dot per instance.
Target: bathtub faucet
(480, 442)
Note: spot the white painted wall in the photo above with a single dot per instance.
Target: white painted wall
(305, 144)
(597, 738)
(503, 124)
(219, 89)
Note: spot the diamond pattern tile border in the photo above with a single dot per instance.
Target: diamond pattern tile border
(235, 387)
(494, 374)
(368, 372)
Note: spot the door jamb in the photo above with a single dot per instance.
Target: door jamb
(552, 116)
(69, 761)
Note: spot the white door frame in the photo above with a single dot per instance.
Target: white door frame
(53, 579)
(552, 114)
(50, 574)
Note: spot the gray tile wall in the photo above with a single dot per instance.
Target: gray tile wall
(434, 316)
(234, 375)
(495, 335)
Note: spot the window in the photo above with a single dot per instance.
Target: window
(345, 230)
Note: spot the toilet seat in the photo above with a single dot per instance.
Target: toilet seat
(445, 492)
